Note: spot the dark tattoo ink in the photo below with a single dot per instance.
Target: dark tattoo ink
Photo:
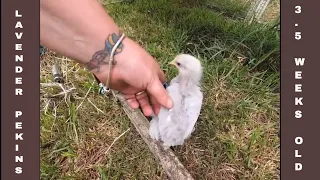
(101, 57)
(97, 60)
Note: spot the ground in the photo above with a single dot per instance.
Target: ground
(87, 136)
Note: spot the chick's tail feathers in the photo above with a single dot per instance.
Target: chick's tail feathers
(154, 128)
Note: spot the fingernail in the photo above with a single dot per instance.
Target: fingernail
(170, 103)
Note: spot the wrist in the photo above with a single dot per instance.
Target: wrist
(99, 65)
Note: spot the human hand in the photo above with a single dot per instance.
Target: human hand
(137, 71)
(84, 40)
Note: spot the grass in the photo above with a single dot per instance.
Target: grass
(86, 136)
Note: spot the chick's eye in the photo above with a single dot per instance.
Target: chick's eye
(178, 64)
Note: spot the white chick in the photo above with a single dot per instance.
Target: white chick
(174, 126)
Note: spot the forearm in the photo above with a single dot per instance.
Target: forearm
(76, 28)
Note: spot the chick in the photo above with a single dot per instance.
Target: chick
(174, 126)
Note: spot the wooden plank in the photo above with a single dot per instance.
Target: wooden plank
(170, 163)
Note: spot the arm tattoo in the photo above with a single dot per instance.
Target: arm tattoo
(97, 60)
(102, 57)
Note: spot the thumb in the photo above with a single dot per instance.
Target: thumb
(162, 77)
(156, 89)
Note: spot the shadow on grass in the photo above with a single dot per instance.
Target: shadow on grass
(227, 8)
(209, 32)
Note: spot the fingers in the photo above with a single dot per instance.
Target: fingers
(143, 100)
(162, 77)
(155, 104)
(157, 91)
(132, 101)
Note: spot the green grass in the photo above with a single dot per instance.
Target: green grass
(237, 135)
